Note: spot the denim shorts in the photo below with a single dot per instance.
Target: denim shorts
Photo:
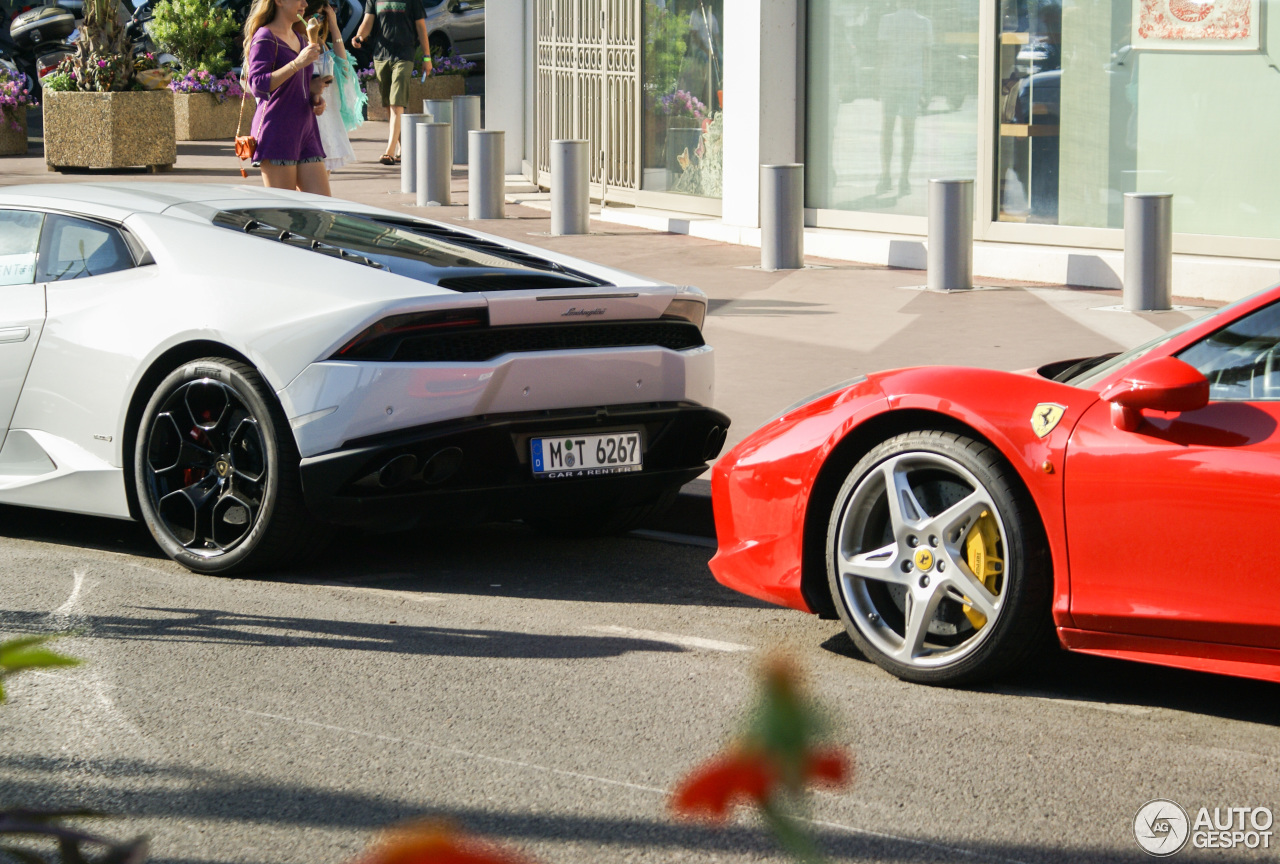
(286, 162)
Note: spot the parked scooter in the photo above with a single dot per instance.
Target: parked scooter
(41, 39)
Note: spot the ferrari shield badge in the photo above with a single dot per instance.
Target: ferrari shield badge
(1045, 418)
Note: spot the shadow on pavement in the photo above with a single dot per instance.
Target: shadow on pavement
(72, 529)
(1069, 677)
(499, 559)
(212, 626)
(218, 795)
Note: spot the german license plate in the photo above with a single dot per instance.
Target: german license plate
(587, 455)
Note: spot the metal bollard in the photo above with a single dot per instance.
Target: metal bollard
(950, 257)
(465, 119)
(570, 187)
(782, 217)
(486, 184)
(407, 142)
(435, 164)
(441, 110)
(1148, 252)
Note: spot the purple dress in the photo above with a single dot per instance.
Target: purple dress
(283, 124)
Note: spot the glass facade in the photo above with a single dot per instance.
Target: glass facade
(892, 101)
(683, 94)
(1092, 99)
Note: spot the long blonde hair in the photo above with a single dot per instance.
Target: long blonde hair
(262, 14)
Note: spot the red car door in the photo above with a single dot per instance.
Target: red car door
(1170, 527)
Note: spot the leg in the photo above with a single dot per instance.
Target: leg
(888, 118)
(401, 76)
(279, 176)
(385, 70)
(908, 152)
(313, 177)
(393, 133)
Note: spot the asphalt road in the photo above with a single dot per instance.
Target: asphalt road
(548, 694)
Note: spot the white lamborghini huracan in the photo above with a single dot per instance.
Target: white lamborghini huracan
(238, 366)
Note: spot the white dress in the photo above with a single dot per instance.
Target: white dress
(333, 134)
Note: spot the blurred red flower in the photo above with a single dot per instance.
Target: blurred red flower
(712, 788)
(436, 843)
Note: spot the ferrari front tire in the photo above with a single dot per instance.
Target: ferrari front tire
(216, 471)
(937, 561)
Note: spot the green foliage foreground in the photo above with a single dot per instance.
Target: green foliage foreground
(20, 655)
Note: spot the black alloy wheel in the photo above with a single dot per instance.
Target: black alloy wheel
(216, 471)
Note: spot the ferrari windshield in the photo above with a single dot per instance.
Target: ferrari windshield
(1093, 374)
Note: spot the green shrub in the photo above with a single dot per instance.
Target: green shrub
(196, 32)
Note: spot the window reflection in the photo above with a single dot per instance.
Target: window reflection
(893, 88)
(683, 97)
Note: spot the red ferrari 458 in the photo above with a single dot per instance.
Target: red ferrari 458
(954, 519)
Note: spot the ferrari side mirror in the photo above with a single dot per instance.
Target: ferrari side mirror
(1160, 384)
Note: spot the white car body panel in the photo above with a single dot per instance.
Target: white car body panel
(286, 310)
(356, 400)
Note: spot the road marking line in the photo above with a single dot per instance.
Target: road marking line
(67, 609)
(1111, 707)
(384, 592)
(674, 639)
(546, 769)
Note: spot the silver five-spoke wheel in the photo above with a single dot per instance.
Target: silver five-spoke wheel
(936, 561)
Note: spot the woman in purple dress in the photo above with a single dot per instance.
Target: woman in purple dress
(284, 124)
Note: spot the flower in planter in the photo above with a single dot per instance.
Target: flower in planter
(453, 64)
(364, 76)
(15, 93)
(103, 59)
(200, 81)
(683, 104)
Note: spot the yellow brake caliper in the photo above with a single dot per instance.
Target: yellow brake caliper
(981, 550)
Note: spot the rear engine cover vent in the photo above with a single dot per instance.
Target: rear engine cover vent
(477, 346)
(510, 282)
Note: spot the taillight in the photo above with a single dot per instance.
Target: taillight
(685, 309)
(381, 340)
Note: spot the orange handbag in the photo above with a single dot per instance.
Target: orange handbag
(247, 145)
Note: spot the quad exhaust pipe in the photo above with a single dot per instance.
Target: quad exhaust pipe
(400, 469)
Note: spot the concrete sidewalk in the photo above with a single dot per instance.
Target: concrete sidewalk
(778, 336)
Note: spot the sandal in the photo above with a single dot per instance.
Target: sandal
(386, 160)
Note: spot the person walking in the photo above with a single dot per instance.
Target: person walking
(401, 28)
(342, 97)
(284, 124)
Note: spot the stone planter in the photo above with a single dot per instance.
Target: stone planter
(201, 117)
(109, 130)
(13, 142)
(438, 87)
(374, 109)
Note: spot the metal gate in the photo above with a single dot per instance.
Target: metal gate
(589, 87)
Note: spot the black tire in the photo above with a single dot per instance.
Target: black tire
(216, 472)
(900, 580)
(603, 521)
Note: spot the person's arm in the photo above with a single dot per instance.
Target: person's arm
(421, 24)
(339, 50)
(366, 27)
(308, 55)
(419, 16)
(264, 79)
